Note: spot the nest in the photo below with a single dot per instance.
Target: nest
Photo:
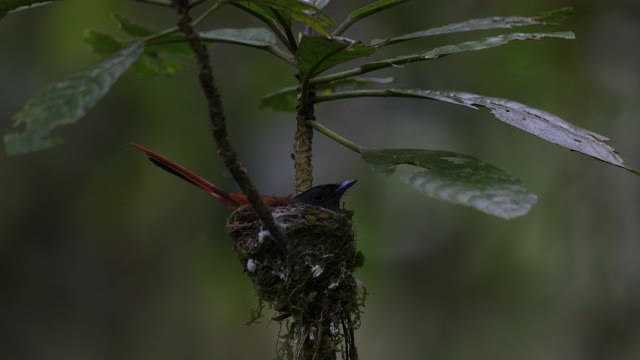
(307, 277)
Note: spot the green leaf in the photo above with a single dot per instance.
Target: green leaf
(130, 28)
(374, 8)
(65, 102)
(101, 43)
(537, 122)
(485, 43)
(7, 6)
(151, 59)
(291, 10)
(285, 98)
(255, 37)
(495, 22)
(457, 178)
(150, 62)
(557, 16)
(173, 44)
(153, 63)
(318, 53)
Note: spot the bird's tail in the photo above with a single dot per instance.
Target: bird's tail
(187, 175)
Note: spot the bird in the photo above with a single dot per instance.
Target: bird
(326, 196)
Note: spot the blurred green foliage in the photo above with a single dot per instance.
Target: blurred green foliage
(104, 256)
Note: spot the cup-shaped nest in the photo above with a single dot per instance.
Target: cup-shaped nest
(314, 261)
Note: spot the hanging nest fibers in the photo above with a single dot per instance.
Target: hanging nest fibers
(306, 277)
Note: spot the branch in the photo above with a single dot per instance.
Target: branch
(302, 146)
(359, 93)
(303, 143)
(218, 121)
(334, 136)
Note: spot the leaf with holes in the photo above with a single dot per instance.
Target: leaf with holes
(537, 122)
(150, 62)
(496, 22)
(285, 98)
(318, 53)
(457, 178)
(65, 102)
(485, 43)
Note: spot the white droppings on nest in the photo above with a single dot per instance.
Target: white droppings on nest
(281, 274)
(262, 234)
(334, 329)
(251, 265)
(359, 284)
(316, 270)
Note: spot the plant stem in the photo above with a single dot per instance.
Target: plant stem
(218, 120)
(334, 136)
(358, 93)
(344, 26)
(165, 32)
(304, 136)
(175, 29)
(303, 141)
(208, 12)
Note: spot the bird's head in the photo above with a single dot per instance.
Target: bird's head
(327, 196)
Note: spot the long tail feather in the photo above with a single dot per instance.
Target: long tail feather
(187, 175)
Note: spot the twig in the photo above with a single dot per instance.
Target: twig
(207, 12)
(344, 26)
(334, 136)
(218, 121)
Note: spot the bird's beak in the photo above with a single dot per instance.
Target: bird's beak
(344, 186)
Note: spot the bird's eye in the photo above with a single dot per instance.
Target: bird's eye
(319, 196)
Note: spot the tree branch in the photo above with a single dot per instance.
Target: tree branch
(303, 143)
(335, 137)
(302, 146)
(218, 121)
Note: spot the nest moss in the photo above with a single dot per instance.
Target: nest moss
(306, 277)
